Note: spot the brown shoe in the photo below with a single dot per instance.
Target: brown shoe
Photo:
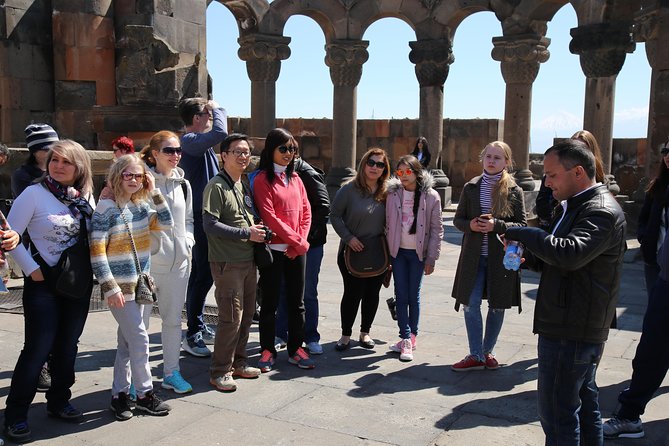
(246, 372)
(225, 383)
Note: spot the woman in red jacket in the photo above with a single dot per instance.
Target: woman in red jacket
(281, 201)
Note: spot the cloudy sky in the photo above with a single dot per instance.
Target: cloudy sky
(388, 88)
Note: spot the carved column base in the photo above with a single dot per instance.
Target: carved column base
(441, 185)
(524, 179)
(611, 184)
(336, 177)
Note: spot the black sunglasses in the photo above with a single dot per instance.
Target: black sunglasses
(284, 149)
(380, 164)
(172, 150)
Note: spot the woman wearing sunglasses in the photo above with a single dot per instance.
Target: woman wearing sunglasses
(489, 204)
(282, 203)
(414, 232)
(359, 212)
(170, 251)
(120, 239)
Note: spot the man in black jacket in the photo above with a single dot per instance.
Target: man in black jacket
(317, 193)
(581, 261)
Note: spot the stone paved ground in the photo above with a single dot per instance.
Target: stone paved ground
(359, 397)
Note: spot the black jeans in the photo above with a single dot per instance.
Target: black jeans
(200, 280)
(355, 291)
(651, 360)
(53, 325)
(291, 273)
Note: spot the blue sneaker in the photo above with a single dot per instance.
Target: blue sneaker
(19, 432)
(208, 335)
(196, 346)
(132, 393)
(266, 361)
(177, 383)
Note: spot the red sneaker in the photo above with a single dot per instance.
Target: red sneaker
(469, 363)
(490, 362)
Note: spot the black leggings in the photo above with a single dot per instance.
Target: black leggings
(356, 290)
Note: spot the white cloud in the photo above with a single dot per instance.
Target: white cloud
(632, 114)
(559, 121)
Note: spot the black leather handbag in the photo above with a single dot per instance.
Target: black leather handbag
(372, 261)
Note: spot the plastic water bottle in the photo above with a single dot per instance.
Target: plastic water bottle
(514, 251)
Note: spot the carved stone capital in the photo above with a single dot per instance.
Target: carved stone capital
(646, 28)
(345, 59)
(433, 59)
(520, 56)
(263, 54)
(602, 47)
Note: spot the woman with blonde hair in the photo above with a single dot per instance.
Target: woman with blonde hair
(359, 212)
(170, 251)
(120, 251)
(489, 204)
(56, 213)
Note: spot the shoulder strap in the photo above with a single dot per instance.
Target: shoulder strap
(184, 188)
(132, 240)
(229, 182)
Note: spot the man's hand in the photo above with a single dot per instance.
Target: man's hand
(211, 105)
(257, 233)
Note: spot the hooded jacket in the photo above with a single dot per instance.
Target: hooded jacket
(429, 228)
(317, 193)
(172, 246)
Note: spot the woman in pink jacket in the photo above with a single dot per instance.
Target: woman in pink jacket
(283, 207)
(414, 231)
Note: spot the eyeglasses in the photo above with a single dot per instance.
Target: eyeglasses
(379, 164)
(284, 149)
(127, 176)
(664, 151)
(204, 113)
(172, 150)
(239, 153)
(402, 172)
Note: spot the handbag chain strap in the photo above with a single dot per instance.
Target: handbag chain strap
(132, 240)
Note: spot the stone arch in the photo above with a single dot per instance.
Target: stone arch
(330, 15)
(248, 13)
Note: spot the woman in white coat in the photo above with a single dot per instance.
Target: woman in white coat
(171, 251)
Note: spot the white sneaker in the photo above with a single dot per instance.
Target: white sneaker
(279, 343)
(315, 348)
(406, 353)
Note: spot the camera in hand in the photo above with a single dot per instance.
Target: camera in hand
(268, 234)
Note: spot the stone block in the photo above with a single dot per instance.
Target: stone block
(165, 7)
(101, 8)
(36, 95)
(19, 61)
(94, 31)
(64, 25)
(85, 63)
(194, 11)
(124, 8)
(10, 92)
(21, 24)
(181, 35)
(75, 124)
(42, 62)
(105, 93)
(382, 127)
(75, 95)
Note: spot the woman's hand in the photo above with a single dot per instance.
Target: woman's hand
(429, 269)
(487, 224)
(10, 239)
(474, 225)
(37, 275)
(356, 245)
(150, 181)
(116, 300)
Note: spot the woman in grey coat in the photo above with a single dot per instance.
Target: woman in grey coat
(489, 204)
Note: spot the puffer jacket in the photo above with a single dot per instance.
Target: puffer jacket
(171, 247)
(581, 265)
(429, 229)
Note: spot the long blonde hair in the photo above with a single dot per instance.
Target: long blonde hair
(77, 155)
(590, 140)
(361, 183)
(501, 206)
(115, 178)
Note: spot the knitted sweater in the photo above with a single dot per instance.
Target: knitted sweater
(111, 251)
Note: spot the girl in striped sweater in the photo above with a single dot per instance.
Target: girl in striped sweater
(113, 262)
(489, 204)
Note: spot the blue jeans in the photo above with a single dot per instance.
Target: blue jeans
(53, 325)
(651, 360)
(568, 402)
(478, 345)
(200, 280)
(313, 269)
(407, 275)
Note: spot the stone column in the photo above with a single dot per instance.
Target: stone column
(651, 25)
(345, 59)
(520, 56)
(263, 54)
(602, 48)
(433, 59)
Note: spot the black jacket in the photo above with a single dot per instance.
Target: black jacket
(317, 194)
(581, 266)
(648, 228)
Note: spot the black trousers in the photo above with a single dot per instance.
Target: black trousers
(357, 290)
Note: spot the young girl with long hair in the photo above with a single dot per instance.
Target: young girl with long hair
(121, 233)
(170, 251)
(414, 231)
(282, 203)
(359, 212)
(489, 204)
(422, 152)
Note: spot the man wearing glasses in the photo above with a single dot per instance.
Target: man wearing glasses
(205, 126)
